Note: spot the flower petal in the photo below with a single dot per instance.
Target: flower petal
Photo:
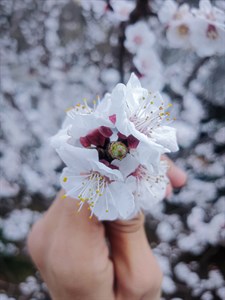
(124, 199)
(105, 211)
(77, 158)
(166, 136)
(127, 165)
(71, 181)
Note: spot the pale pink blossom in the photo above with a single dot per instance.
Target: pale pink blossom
(139, 35)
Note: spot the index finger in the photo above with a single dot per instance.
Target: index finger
(175, 174)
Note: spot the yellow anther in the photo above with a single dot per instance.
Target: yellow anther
(64, 196)
(68, 109)
(107, 210)
(65, 179)
(169, 105)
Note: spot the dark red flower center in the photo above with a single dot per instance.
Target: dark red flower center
(99, 139)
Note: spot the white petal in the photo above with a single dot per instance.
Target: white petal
(113, 174)
(205, 6)
(167, 11)
(152, 194)
(83, 124)
(60, 138)
(77, 158)
(166, 136)
(71, 181)
(148, 154)
(105, 212)
(133, 82)
(127, 165)
(123, 198)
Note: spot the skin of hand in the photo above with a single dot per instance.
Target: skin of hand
(83, 259)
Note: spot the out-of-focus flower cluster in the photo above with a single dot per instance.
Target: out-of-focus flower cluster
(57, 52)
(202, 29)
(112, 152)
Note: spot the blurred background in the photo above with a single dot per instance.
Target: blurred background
(53, 54)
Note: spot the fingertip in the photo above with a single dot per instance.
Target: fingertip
(169, 191)
(177, 176)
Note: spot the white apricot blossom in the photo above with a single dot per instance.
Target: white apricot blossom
(139, 35)
(147, 62)
(178, 22)
(114, 149)
(142, 114)
(91, 182)
(208, 36)
(121, 9)
(150, 186)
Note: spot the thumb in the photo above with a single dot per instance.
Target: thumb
(136, 269)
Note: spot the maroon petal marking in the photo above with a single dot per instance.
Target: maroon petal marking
(96, 138)
(112, 118)
(121, 136)
(85, 142)
(113, 167)
(132, 142)
(105, 131)
(105, 162)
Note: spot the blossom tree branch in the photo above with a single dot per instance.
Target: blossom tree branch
(194, 72)
(142, 10)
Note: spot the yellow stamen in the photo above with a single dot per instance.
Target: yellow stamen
(68, 109)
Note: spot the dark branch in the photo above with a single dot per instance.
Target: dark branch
(142, 10)
(194, 73)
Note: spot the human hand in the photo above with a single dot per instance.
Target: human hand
(80, 258)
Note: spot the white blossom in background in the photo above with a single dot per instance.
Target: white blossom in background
(208, 35)
(121, 10)
(99, 10)
(168, 11)
(139, 41)
(202, 30)
(147, 62)
(178, 22)
(139, 35)
(30, 286)
(150, 67)
(17, 225)
(5, 297)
